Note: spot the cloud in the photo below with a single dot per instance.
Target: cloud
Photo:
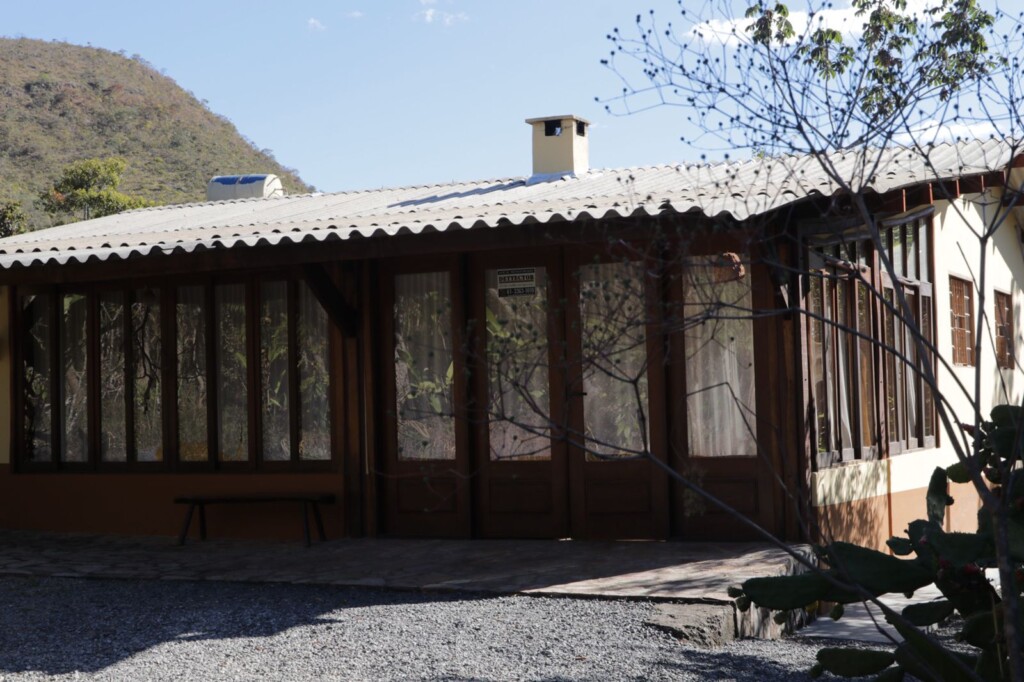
(435, 16)
(732, 31)
(936, 132)
(315, 25)
(355, 14)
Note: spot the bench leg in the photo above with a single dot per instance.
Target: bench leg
(202, 521)
(188, 522)
(319, 522)
(305, 522)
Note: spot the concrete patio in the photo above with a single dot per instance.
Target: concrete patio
(671, 572)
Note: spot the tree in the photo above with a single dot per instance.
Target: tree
(89, 187)
(828, 88)
(12, 218)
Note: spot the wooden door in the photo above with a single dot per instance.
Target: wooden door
(727, 395)
(616, 395)
(425, 481)
(520, 473)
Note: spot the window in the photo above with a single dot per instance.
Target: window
(961, 310)
(518, 400)
(424, 366)
(719, 348)
(865, 362)
(164, 376)
(1004, 330)
(614, 318)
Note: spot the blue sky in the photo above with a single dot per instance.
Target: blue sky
(368, 93)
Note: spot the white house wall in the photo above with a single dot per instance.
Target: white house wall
(895, 487)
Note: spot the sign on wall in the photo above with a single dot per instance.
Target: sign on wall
(517, 282)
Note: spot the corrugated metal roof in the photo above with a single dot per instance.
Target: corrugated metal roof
(738, 189)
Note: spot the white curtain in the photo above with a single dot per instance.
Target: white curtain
(719, 343)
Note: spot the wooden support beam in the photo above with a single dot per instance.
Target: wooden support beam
(331, 298)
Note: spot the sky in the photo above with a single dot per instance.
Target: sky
(358, 94)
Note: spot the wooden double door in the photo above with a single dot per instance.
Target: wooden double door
(523, 389)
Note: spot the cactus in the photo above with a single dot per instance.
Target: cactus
(928, 613)
(954, 562)
(854, 662)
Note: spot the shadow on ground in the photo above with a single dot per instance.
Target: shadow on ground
(57, 627)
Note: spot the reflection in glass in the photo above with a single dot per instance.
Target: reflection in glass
(232, 379)
(113, 436)
(35, 320)
(190, 318)
(866, 365)
(911, 364)
(818, 363)
(517, 364)
(614, 360)
(274, 371)
(74, 386)
(720, 400)
(845, 381)
(894, 374)
(146, 347)
(314, 378)
(926, 334)
(424, 366)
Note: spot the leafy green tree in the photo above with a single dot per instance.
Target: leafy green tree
(12, 218)
(88, 189)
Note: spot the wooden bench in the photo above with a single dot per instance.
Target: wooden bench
(310, 502)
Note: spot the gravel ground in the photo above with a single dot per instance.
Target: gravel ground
(117, 630)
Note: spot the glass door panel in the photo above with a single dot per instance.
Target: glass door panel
(614, 360)
(518, 401)
(424, 366)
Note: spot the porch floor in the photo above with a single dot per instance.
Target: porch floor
(665, 571)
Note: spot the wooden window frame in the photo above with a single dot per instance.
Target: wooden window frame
(1004, 330)
(167, 290)
(845, 264)
(961, 313)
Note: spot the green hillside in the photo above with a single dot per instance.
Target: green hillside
(60, 103)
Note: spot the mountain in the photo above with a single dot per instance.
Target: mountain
(60, 103)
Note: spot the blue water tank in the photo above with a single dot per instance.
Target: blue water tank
(254, 186)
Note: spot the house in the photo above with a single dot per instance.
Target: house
(480, 359)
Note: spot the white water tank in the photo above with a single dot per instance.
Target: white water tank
(224, 187)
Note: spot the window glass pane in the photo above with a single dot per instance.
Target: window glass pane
(719, 360)
(190, 318)
(893, 373)
(912, 378)
(274, 371)
(866, 366)
(424, 366)
(927, 398)
(820, 356)
(35, 320)
(314, 378)
(517, 364)
(74, 386)
(961, 310)
(614, 360)
(146, 362)
(846, 382)
(897, 251)
(232, 379)
(922, 237)
(113, 424)
(1004, 330)
(913, 250)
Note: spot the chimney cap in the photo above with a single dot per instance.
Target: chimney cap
(541, 119)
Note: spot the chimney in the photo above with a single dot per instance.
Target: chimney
(560, 145)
